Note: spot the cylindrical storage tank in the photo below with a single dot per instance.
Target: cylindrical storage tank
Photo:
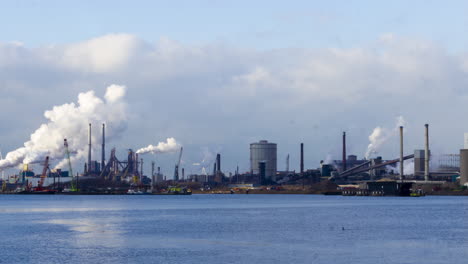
(263, 151)
(463, 166)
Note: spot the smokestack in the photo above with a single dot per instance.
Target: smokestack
(218, 162)
(344, 151)
(103, 154)
(183, 174)
(152, 168)
(136, 163)
(426, 154)
(302, 158)
(401, 153)
(89, 149)
(141, 170)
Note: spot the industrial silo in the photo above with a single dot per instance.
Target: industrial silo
(263, 152)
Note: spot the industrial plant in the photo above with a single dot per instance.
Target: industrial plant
(347, 176)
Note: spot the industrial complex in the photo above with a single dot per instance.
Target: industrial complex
(347, 176)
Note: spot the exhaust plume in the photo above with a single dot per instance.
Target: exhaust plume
(328, 160)
(170, 145)
(70, 121)
(380, 135)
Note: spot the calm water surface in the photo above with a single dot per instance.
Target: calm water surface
(233, 229)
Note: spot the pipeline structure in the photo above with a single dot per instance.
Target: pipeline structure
(366, 166)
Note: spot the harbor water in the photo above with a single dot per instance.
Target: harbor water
(232, 229)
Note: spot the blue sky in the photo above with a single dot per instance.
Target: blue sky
(256, 24)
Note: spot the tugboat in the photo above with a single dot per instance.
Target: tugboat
(417, 193)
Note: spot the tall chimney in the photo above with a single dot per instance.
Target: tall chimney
(218, 162)
(401, 153)
(89, 149)
(426, 154)
(103, 154)
(141, 170)
(183, 174)
(136, 163)
(344, 151)
(302, 158)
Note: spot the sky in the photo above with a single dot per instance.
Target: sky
(218, 75)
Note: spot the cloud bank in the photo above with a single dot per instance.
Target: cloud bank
(212, 95)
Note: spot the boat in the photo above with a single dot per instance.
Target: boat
(176, 190)
(133, 191)
(417, 193)
(136, 192)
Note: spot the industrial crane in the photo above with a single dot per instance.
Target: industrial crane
(67, 153)
(176, 171)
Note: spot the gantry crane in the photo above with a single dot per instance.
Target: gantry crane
(176, 171)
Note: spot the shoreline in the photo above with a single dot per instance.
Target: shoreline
(445, 193)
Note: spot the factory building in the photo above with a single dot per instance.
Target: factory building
(465, 145)
(419, 162)
(375, 173)
(463, 166)
(351, 161)
(94, 167)
(464, 161)
(263, 159)
(446, 162)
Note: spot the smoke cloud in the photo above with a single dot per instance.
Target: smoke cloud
(380, 135)
(71, 121)
(408, 168)
(170, 145)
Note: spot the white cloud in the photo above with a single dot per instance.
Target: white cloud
(215, 94)
(114, 93)
(101, 54)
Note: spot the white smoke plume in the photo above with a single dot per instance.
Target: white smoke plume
(328, 159)
(380, 135)
(408, 168)
(71, 121)
(170, 145)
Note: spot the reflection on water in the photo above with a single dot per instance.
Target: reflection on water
(233, 229)
(88, 232)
